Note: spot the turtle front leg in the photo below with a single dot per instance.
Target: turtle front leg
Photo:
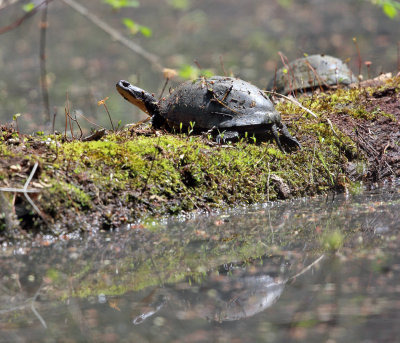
(285, 133)
(274, 130)
(157, 121)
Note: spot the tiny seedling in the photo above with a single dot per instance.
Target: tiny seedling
(15, 118)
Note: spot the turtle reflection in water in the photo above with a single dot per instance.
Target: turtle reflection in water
(219, 104)
(229, 293)
(232, 292)
(312, 72)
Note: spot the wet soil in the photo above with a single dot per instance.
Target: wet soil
(377, 139)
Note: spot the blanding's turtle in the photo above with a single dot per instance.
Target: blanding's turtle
(311, 72)
(222, 104)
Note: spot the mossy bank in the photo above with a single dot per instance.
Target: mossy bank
(137, 173)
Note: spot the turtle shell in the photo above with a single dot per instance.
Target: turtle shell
(218, 102)
(311, 72)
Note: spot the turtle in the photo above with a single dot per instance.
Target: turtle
(307, 73)
(224, 105)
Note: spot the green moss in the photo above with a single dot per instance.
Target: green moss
(170, 173)
(68, 195)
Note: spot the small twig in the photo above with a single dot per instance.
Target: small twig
(221, 61)
(398, 56)
(293, 101)
(196, 62)
(66, 117)
(25, 190)
(19, 190)
(307, 268)
(77, 123)
(163, 89)
(132, 126)
(359, 60)
(153, 59)
(94, 136)
(19, 21)
(103, 102)
(26, 187)
(54, 120)
(55, 139)
(43, 72)
(34, 309)
(90, 121)
(286, 64)
(312, 165)
(152, 164)
(307, 110)
(268, 178)
(320, 81)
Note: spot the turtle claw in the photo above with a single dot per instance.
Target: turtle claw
(286, 134)
(274, 130)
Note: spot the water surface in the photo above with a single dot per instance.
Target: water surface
(318, 270)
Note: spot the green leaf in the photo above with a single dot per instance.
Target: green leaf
(134, 28)
(28, 7)
(190, 72)
(129, 23)
(118, 4)
(390, 10)
(179, 4)
(285, 3)
(15, 116)
(187, 71)
(145, 31)
(206, 73)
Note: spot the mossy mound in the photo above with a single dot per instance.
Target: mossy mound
(138, 172)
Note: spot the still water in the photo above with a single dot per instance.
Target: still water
(324, 269)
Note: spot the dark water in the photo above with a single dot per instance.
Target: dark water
(311, 270)
(85, 62)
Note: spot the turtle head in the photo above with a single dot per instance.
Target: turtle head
(137, 96)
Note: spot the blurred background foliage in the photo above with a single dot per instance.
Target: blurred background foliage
(192, 36)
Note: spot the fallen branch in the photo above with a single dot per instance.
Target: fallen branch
(25, 190)
(307, 110)
(293, 101)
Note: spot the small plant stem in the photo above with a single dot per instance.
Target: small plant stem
(221, 61)
(109, 115)
(359, 59)
(163, 89)
(398, 56)
(20, 20)
(196, 62)
(153, 59)
(293, 101)
(43, 72)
